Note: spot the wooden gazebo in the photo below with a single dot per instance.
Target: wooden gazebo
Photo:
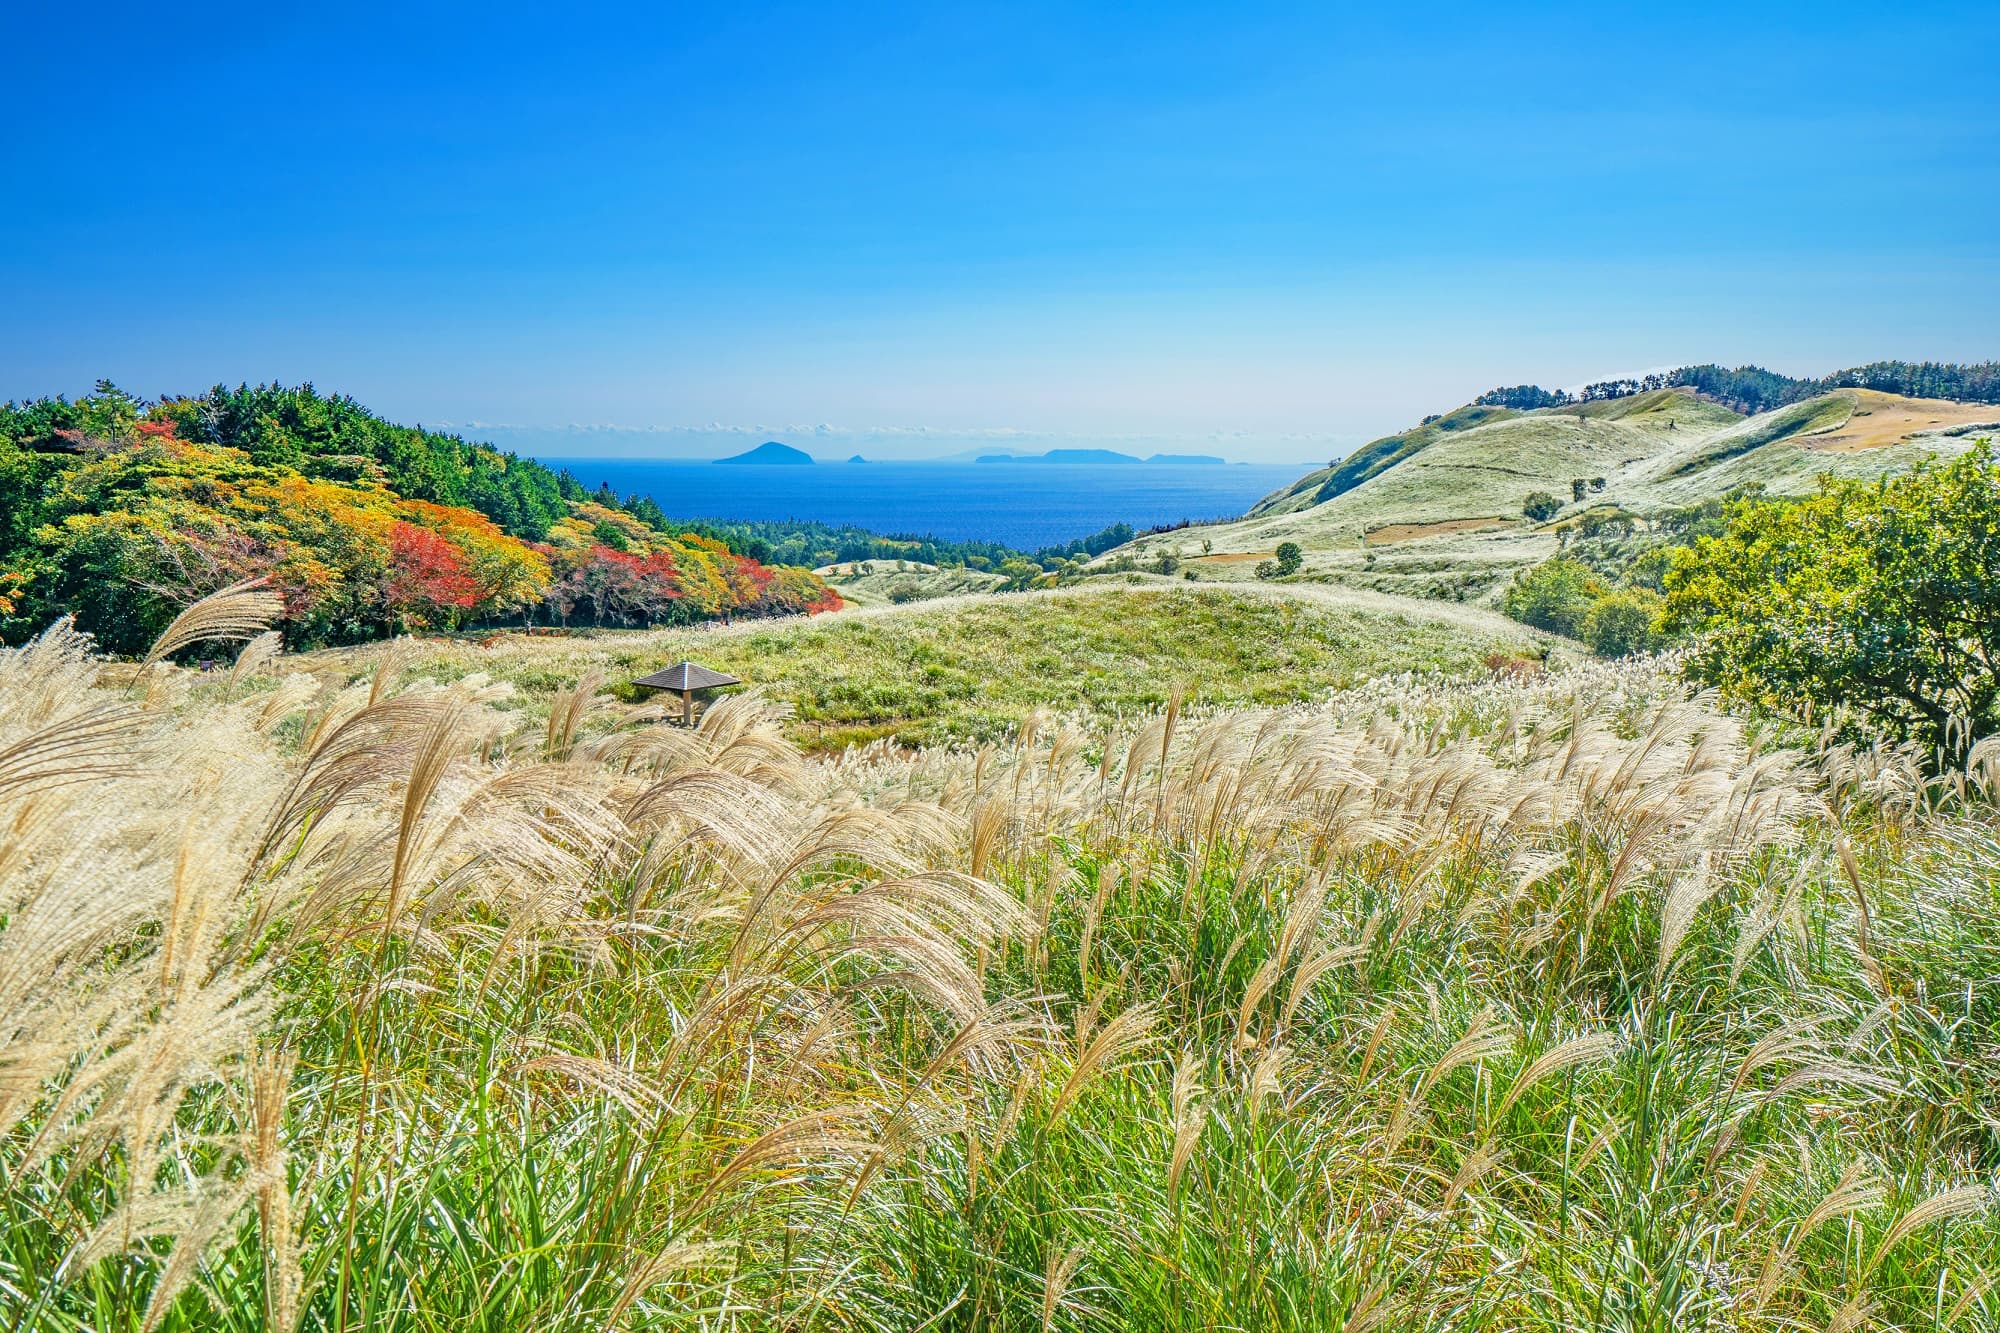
(684, 679)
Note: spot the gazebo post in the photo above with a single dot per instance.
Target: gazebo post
(687, 708)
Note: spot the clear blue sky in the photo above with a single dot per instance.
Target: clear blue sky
(1270, 226)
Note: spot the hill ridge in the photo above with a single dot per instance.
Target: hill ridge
(1440, 509)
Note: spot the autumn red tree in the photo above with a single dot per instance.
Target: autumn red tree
(429, 582)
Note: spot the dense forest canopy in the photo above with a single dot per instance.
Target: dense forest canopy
(122, 511)
(813, 543)
(1752, 389)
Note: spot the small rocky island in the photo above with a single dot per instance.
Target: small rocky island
(770, 451)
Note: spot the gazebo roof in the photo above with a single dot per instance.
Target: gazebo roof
(686, 676)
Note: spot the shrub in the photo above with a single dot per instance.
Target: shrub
(1614, 524)
(1555, 595)
(1541, 506)
(1020, 574)
(1290, 557)
(1267, 569)
(1622, 623)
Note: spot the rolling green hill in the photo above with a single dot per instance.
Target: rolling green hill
(1372, 459)
(1438, 510)
(882, 583)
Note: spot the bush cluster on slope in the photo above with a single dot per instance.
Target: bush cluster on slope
(1565, 596)
(1881, 598)
(122, 518)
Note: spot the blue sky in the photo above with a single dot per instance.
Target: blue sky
(1272, 229)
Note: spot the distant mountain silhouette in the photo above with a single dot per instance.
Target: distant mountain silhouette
(1062, 456)
(770, 451)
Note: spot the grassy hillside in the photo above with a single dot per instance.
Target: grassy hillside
(864, 583)
(1552, 1004)
(1439, 511)
(1372, 459)
(973, 669)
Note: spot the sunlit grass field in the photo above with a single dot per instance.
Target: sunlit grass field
(968, 670)
(357, 996)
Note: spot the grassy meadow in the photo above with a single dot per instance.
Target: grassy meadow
(1523, 1001)
(971, 670)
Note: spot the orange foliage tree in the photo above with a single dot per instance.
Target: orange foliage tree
(138, 522)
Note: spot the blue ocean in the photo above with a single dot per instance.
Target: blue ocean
(1026, 505)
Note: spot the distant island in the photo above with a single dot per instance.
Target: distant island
(1062, 456)
(1100, 456)
(770, 451)
(857, 459)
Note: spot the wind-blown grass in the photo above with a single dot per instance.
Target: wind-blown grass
(1500, 1004)
(969, 670)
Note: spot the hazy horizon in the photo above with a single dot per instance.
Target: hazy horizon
(837, 444)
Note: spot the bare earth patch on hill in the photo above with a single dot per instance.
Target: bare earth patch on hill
(1409, 532)
(1882, 419)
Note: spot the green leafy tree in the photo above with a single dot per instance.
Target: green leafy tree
(1290, 557)
(1541, 506)
(1605, 525)
(1880, 597)
(1622, 623)
(1556, 595)
(1019, 574)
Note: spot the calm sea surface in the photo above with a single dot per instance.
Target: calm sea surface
(1022, 504)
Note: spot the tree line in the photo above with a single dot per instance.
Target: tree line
(813, 543)
(1753, 389)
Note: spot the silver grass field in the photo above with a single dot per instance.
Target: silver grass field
(1560, 1002)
